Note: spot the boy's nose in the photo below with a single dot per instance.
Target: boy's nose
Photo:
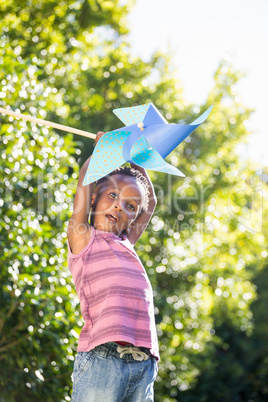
(119, 208)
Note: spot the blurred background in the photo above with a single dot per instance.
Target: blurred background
(205, 250)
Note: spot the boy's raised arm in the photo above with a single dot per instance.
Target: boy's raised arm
(78, 228)
(142, 221)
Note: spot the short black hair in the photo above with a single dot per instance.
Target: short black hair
(128, 171)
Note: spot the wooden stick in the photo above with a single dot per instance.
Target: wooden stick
(48, 123)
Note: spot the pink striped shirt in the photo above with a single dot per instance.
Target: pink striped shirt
(115, 294)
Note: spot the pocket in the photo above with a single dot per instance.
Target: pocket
(82, 362)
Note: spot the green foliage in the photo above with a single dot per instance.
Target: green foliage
(239, 370)
(205, 249)
(38, 323)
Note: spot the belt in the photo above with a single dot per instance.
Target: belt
(126, 352)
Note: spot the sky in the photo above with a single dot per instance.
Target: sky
(201, 33)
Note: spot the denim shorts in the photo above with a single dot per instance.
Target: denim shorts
(102, 375)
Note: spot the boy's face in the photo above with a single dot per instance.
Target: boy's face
(117, 203)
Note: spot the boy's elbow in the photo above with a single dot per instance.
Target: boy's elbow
(70, 227)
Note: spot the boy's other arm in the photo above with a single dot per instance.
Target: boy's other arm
(141, 223)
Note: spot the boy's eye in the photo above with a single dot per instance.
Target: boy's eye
(130, 206)
(113, 195)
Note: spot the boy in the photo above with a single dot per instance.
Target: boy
(117, 350)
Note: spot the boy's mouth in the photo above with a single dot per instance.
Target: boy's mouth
(112, 218)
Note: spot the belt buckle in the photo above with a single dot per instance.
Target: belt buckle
(136, 353)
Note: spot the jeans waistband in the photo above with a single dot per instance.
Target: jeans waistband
(129, 353)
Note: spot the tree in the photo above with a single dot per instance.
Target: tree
(37, 319)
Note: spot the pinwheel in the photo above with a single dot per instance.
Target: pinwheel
(146, 140)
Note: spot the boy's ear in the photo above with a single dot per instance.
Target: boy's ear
(93, 199)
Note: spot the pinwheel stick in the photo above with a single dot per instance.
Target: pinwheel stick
(47, 123)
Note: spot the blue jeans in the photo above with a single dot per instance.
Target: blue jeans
(101, 375)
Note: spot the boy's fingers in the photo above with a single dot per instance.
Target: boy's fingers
(98, 136)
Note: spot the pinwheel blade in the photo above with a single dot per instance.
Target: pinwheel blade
(107, 156)
(132, 115)
(202, 118)
(148, 114)
(149, 158)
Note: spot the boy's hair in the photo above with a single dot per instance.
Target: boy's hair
(138, 176)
